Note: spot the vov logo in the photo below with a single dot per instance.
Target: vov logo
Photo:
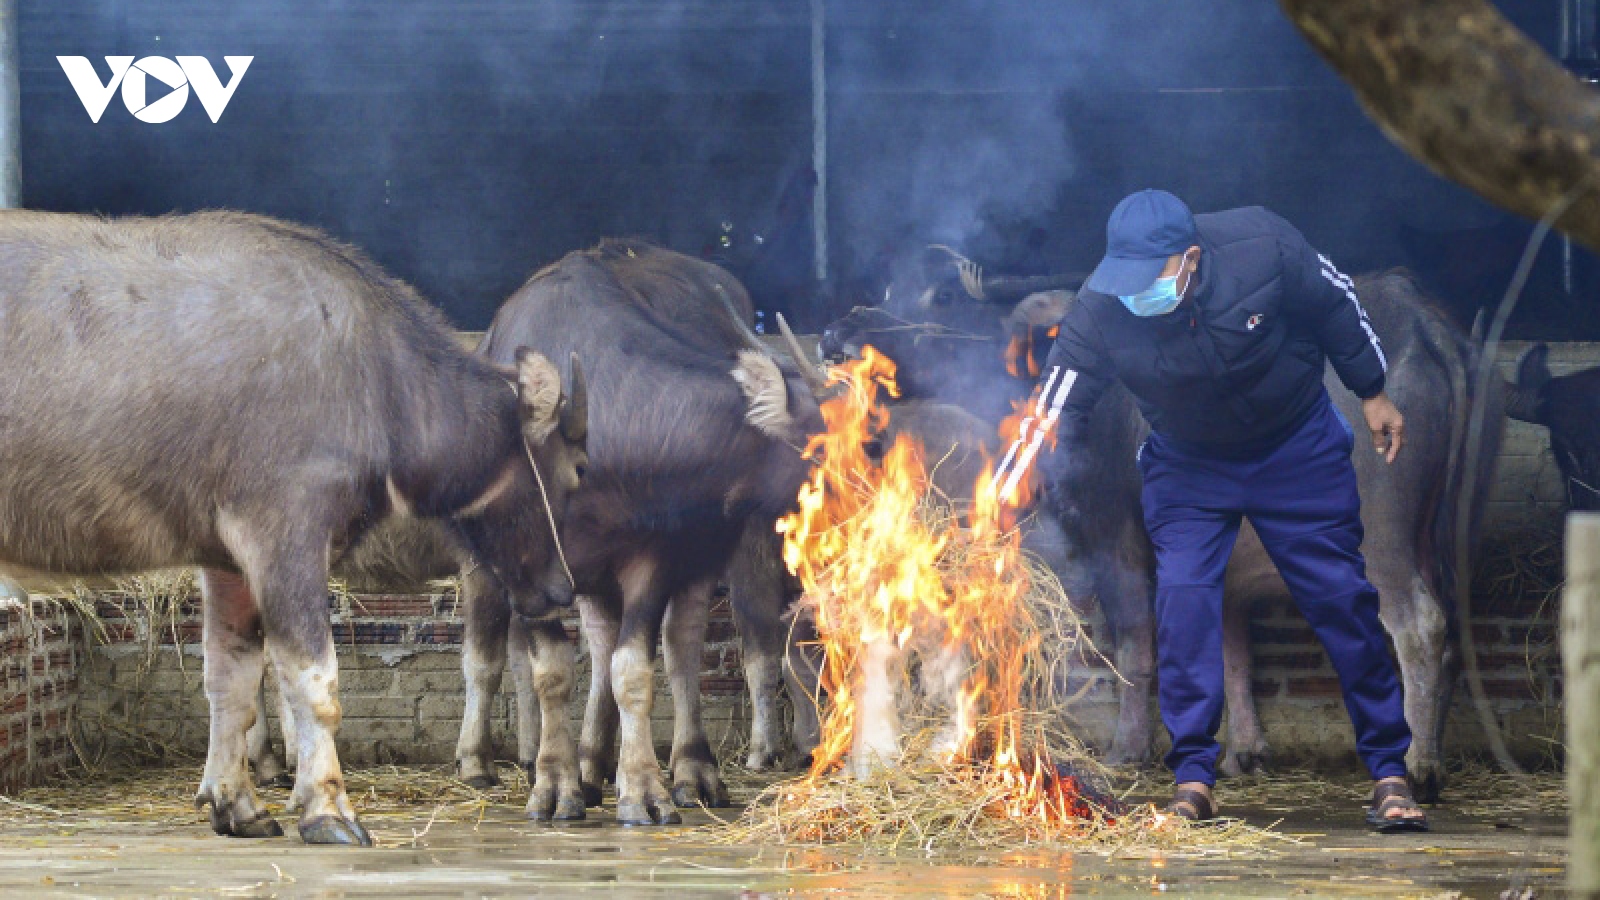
(134, 78)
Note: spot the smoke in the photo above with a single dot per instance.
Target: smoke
(466, 145)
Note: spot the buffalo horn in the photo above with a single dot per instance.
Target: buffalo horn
(1015, 287)
(814, 379)
(739, 322)
(575, 414)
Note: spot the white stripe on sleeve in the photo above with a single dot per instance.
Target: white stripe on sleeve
(1342, 281)
(1033, 432)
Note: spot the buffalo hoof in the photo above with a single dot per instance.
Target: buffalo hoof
(592, 794)
(763, 760)
(482, 782)
(280, 780)
(1427, 785)
(713, 795)
(567, 808)
(262, 826)
(334, 830)
(696, 782)
(1243, 762)
(647, 813)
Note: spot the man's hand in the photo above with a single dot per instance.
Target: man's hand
(1388, 427)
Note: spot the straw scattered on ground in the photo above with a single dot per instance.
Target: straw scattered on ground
(397, 803)
(1475, 791)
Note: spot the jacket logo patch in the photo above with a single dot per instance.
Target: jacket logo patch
(1251, 323)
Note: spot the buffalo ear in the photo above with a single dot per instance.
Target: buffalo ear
(765, 394)
(1523, 396)
(1533, 370)
(538, 394)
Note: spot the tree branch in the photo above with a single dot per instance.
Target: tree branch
(1455, 85)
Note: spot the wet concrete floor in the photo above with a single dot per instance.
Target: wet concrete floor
(1471, 856)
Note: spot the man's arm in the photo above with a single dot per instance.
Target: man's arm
(1325, 298)
(1074, 378)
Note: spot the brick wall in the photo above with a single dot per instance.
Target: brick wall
(40, 655)
(400, 681)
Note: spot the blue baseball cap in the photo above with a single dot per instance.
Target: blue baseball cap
(1144, 230)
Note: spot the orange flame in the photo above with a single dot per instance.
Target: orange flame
(885, 581)
(1019, 352)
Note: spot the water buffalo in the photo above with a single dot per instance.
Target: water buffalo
(247, 396)
(1407, 509)
(1568, 405)
(697, 429)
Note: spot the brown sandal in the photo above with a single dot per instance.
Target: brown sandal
(1388, 796)
(1200, 807)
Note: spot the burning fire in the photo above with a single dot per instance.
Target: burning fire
(1019, 353)
(889, 583)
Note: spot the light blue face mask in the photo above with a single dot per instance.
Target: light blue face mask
(1158, 299)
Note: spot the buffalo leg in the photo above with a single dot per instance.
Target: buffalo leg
(641, 797)
(557, 789)
(763, 671)
(757, 595)
(597, 748)
(269, 766)
(1417, 623)
(483, 660)
(1128, 604)
(233, 670)
(519, 656)
(695, 778)
(1247, 750)
(802, 672)
(290, 581)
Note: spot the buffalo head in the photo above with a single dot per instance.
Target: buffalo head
(553, 456)
(953, 330)
(1568, 405)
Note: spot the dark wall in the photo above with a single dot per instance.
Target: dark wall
(466, 144)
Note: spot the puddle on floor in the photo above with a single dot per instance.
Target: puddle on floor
(506, 856)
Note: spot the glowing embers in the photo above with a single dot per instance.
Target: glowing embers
(929, 637)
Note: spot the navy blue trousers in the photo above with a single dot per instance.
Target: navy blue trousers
(1301, 497)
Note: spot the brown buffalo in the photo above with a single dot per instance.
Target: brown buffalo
(246, 396)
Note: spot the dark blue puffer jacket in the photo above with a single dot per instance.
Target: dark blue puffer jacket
(1238, 364)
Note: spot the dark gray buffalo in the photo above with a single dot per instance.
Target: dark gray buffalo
(1408, 509)
(1568, 405)
(697, 429)
(247, 396)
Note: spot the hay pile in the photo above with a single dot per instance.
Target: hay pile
(939, 810)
